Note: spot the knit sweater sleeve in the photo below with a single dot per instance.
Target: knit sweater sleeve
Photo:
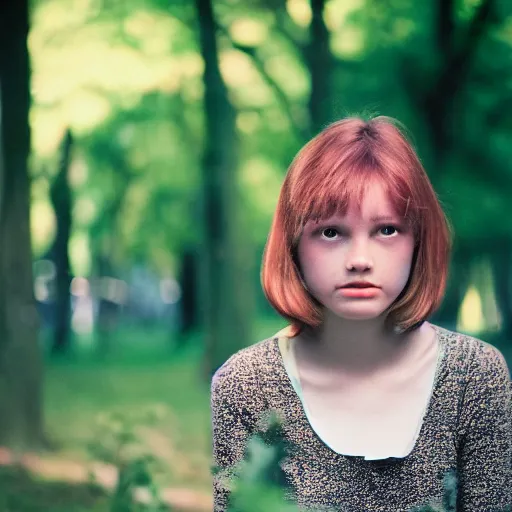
(236, 406)
(485, 434)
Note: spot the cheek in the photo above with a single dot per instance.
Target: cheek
(404, 273)
(402, 265)
(314, 261)
(311, 262)
(400, 259)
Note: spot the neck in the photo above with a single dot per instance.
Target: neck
(355, 345)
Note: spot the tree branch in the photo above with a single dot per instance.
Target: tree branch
(283, 22)
(281, 97)
(459, 61)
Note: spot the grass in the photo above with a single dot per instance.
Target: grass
(21, 492)
(78, 392)
(142, 371)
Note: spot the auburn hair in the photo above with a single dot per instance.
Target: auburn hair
(329, 172)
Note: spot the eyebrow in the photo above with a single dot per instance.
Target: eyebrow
(378, 218)
(375, 218)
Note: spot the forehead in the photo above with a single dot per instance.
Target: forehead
(373, 204)
(373, 200)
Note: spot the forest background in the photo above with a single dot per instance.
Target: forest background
(143, 145)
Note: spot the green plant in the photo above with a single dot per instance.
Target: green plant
(449, 499)
(117, 441)
(260, 484)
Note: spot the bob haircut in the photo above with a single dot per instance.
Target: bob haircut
(329, 172)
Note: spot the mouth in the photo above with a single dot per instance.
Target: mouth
(358, 286)
(361, 291)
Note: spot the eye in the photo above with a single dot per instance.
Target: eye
(332, 233)
(329, 233)
(390, 227)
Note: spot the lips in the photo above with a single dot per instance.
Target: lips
(367, 292)
(359, 285)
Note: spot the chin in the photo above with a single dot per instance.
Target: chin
(358, 311)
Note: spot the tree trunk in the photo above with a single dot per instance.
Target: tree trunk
(225, 283)
(21, 423)
(320, 64)
(458, 54)
(60, 194)
(437, 109)
(189, 320)
(108, 310)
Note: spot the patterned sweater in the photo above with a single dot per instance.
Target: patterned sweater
(467, 428)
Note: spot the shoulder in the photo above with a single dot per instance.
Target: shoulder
(483, 364)
(484, 410)
(242, 370)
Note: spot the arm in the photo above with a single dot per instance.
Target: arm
(485, 434)
(236, 405)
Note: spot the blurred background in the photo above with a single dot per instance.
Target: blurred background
(143, 146)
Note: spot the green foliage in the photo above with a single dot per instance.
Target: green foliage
(449, 499)
(118, 442)
(126, 76)
(134, 99)
(261, 484)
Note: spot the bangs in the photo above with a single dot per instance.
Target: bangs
(327, 189)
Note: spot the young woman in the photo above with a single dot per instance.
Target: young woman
(379, 403)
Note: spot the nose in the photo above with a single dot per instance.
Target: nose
(359, 264)
(359, 259)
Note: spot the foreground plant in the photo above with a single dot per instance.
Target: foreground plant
(117, 442)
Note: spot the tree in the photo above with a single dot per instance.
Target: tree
(320, 65)
(225, 291)
(60, 194)
(439, 106)
(21, 414)
(104, 231)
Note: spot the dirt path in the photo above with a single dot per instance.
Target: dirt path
(56, 469)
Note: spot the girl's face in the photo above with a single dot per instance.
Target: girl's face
(357, 246)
